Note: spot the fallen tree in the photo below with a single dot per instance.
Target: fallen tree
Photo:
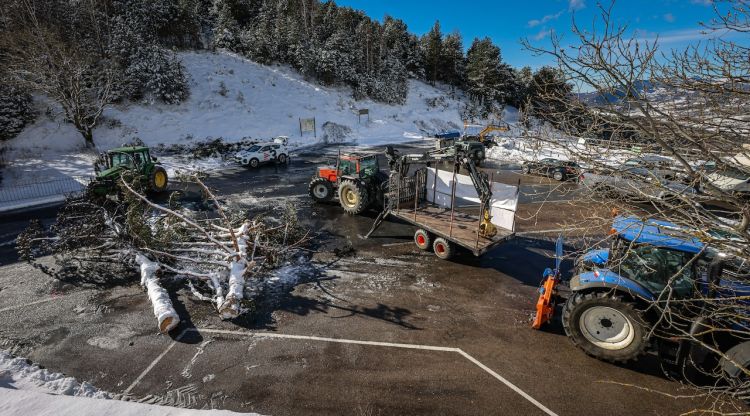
(212, 252)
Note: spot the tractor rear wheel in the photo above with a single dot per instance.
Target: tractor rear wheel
(443, 248)
(605, 326)
(353, 197)
(320, 190)
(422, 239)
(158, 180)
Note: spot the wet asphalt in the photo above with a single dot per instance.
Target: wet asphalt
(380, 289)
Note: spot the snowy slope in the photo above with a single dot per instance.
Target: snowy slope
(256, 101)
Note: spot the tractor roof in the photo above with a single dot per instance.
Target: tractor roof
(127, 149)
(658, 233)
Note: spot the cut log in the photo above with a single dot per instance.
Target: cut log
(165, 314)
(230, 309)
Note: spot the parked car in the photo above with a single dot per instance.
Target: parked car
(662, 166)
(728, 178)
(260, 153)
(560, 170)
(637, 183)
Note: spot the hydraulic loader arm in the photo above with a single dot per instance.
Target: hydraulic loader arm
(484, 191)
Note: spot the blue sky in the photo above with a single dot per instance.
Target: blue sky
(676, 22)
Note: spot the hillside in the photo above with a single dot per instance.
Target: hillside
(230, 98)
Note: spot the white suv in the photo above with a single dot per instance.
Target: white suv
(256, 154)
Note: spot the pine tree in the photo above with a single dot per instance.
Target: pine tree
(16, 110)
(483, 72)
(432, 45)
(453, 62)
(548, 93)
(524, 78)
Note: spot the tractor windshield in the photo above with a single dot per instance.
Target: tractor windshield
(368, 167)
(121, 159)
(654, 267)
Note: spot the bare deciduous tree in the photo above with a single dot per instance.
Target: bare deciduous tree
(690, 107)
(45, 59)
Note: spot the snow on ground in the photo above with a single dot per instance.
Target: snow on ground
(26, 402)
(17, 373)
(27, 389)
(230, 98)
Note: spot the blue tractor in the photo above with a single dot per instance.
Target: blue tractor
(657, 289)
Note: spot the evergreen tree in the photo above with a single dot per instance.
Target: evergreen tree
(453, 62)
(432, 45)
(16, 110)
(548, 94)
(484, 74)
(524, 79)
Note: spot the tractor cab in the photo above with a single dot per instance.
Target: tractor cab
(351, 166)
(645, 257)
(355, 177)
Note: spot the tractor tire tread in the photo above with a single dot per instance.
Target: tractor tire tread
(572, 330)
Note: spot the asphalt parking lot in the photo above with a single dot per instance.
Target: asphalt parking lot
(359, 327)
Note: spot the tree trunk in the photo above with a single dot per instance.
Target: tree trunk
(88, 136)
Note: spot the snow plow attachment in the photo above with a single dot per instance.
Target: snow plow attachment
(545, 305)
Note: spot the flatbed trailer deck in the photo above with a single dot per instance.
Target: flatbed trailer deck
(455, 226)
(435, 214)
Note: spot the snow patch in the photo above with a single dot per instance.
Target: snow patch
(18, 373)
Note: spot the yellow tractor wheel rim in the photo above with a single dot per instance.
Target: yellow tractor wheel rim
(350, 196)
(160, 179)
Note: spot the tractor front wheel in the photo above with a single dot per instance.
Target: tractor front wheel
(353, 197)
(158, 181)
(605, 326)
(320, 190)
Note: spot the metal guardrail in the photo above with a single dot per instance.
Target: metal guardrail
(20, 192)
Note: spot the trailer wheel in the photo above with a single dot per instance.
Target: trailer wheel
(605, 326)
(443, 248)
(422, 239)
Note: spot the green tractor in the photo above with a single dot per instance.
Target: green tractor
(357, 178)
(135, 162)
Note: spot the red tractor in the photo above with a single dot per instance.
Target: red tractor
(357, 178)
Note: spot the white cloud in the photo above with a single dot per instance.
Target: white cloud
(676, 36)
(576, 4)
(702, 2)
(545, 19)
(669, 17)
(543, 33)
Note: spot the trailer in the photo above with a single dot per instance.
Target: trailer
(448, 209)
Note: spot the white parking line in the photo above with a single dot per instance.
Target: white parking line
(464, 354)
(459, 351)
(156, 361)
